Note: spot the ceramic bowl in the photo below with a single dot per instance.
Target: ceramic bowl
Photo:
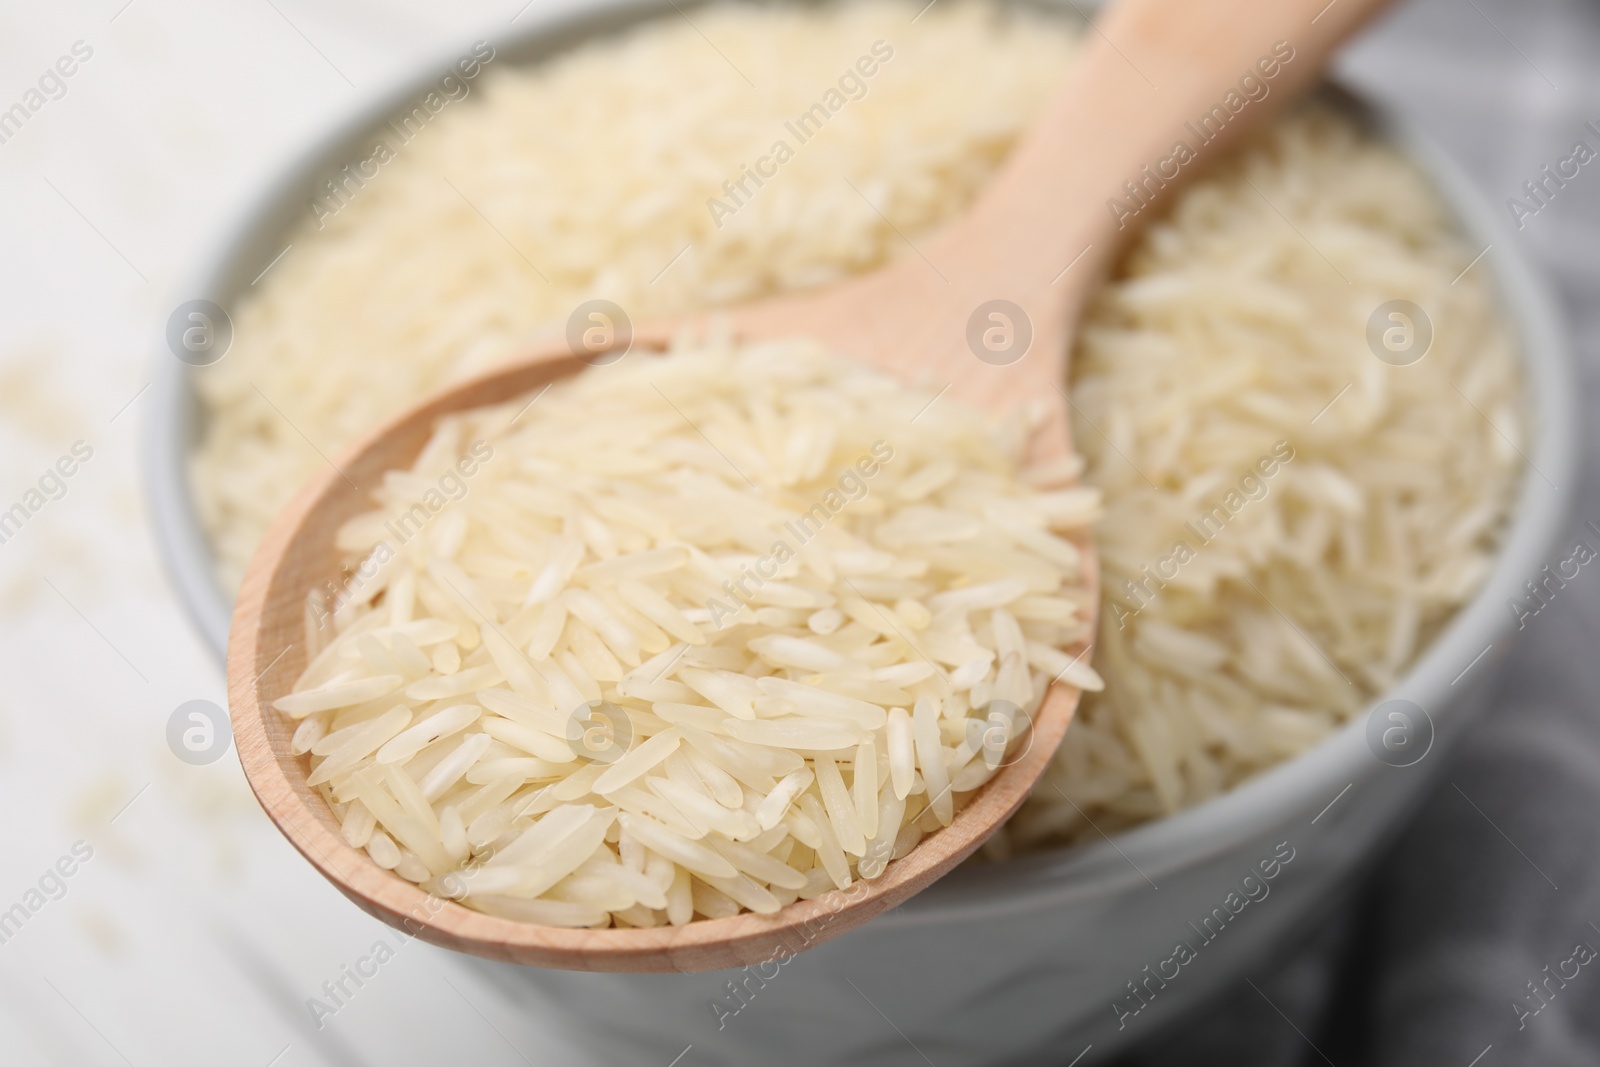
(1038, 958)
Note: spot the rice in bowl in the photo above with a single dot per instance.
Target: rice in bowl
(1238, 322)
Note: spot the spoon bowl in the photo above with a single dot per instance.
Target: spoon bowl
(267, 653)
(984, 311)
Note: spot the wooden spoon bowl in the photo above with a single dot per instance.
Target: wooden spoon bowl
(1018, 268)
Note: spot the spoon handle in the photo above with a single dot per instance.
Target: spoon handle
(1162, 87)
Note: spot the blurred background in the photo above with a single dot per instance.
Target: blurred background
(189, 932)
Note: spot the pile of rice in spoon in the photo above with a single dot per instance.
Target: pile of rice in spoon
(689, 635)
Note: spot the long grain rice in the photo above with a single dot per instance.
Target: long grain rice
(577, 745)
(1232, 325)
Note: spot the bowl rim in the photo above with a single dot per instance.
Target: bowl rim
(1050, 877)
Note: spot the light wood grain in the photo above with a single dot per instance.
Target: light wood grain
(1149, 67)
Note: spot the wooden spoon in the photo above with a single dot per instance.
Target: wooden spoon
(1153, 74)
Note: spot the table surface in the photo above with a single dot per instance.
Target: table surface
(194, 934)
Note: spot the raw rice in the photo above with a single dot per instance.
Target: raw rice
(588, 177)
(1232, 325)
(1232, 329)
(662, 711)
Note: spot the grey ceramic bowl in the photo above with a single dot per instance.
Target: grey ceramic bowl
(1025, 961)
